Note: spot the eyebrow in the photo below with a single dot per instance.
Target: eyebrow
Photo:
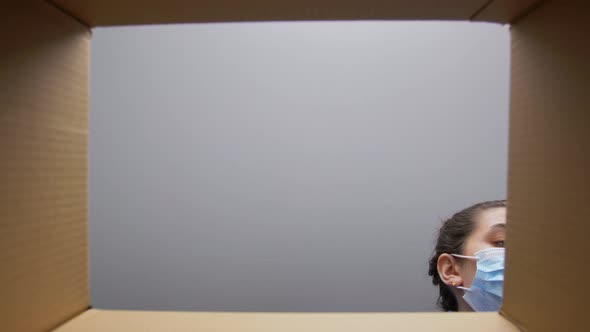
(496, 229)
(502, 226)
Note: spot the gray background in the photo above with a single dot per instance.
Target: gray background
(287, 166)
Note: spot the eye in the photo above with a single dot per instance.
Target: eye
(499, 243)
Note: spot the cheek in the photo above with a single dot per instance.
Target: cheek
(474, 245)
(469, 266)
(468, 270)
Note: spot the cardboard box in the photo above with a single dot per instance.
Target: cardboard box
(43, 169)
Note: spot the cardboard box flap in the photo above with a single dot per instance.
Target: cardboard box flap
(549, 169)
(43, 139)
(43, 144)
(127, 12)
(124, 321)
(505, 11)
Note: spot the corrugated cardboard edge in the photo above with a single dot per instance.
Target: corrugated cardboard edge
(123, 321)
(549, 169)
(43, 148)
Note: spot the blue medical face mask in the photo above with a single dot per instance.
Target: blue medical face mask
(485, 293)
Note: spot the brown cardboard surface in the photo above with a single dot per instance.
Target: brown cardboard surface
(504, 11)
(43, 139)
(549, 169)
(43, 168)
(123, 12)
(125, 321)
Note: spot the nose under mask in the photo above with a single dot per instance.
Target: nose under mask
(485, 293)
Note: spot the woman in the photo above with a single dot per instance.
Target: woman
(468, 260)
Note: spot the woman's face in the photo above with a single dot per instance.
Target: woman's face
(489, 232)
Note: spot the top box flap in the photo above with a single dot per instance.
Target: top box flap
(130, 12)
(504, 11)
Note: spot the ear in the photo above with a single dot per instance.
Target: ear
(449, 270)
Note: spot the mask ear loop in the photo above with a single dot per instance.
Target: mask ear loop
(463, 256)
(468, 257)
(454, 284)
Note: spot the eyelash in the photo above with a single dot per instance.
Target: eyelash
(499, 245)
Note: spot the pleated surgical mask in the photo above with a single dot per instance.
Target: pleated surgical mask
(485, 293)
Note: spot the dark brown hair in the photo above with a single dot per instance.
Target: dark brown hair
(451, 238)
